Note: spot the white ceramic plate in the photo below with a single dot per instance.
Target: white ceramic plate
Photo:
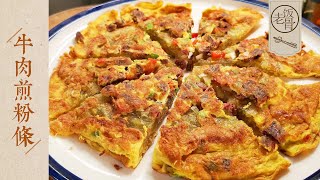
(70, 159)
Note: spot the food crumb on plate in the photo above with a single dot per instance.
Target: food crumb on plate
(101, 153)
(117, 167)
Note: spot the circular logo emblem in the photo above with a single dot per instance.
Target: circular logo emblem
(284, 18)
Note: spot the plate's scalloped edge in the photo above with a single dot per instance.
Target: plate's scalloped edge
(58, 172)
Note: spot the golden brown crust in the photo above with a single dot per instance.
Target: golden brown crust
(200, 141)
(69, 85)
(288, 113)
(170, 25)
(126, 114)
(248, 83)
(76, 79)
(123, 119)
(255, 53)
(299, 118)
(128, 41)
(115, 86)
(109, 129)
(220, 28)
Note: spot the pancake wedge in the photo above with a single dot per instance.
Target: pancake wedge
(123, 119)
(220, 28)
(116, 39)
(254, 52)
(289, 114)
(168, 24)
(200, 140)
(76, 79)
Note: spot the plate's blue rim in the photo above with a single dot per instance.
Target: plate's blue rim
(58, 172)
(57, 28)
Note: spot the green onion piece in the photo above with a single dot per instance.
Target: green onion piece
(154, 56)
(202, 114)
(149, 26)
(151, 95)
(96, 133)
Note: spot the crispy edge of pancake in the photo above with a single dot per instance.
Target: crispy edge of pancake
(99, 24)
(57, 103)
(195, 168)
(307, 137)
(105, 136)
(155, 9)
(176, 151)
(64, 96)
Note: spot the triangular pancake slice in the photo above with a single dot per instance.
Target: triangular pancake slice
(289, 114)
(109, 36)
(128, 41)
(200, 140)
(76, 79)
(170, 25)
(255, 52)
(220, 28)
(123, 119)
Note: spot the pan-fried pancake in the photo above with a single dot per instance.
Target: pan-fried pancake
(254, 52)
(116, 84)
(287, 113)
(201, 141)
(220, 28)
(123, 119)
(170, 25)
(129, 41)
(109, 36)
(76, 79)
